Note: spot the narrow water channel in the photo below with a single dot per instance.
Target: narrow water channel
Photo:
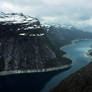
(76, 52)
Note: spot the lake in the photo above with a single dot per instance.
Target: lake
(76, 52)
(44, 82)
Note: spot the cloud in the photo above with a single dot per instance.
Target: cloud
(73, 12)
(8, 7)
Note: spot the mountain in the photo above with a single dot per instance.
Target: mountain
(61, 35)
(24, 45)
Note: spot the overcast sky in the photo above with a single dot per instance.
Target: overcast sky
(70, 12)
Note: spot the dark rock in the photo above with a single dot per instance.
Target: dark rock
(80, 81)
(24, 44)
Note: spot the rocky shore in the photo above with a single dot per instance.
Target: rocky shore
(3, 73)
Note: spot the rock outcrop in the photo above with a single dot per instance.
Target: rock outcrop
(24, 44)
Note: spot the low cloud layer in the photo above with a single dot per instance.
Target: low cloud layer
(71, 12)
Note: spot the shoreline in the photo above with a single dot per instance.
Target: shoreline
(65, 55)
(73, 42)
(88, 55)
(4, 73)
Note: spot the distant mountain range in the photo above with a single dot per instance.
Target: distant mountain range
(26, 44)
(61, 35)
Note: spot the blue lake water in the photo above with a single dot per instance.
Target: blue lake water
(76, 52)
(44, 82)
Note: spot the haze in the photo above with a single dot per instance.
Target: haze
(71, 12)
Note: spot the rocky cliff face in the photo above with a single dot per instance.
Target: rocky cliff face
(24, 44)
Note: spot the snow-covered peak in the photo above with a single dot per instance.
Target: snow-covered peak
(21, 24)
(47, 26)
(66, 26)
(62, 26)
(16, 18)
(59, 26)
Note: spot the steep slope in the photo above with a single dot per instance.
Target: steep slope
(61, 35)
(80, 81)
(24, 45)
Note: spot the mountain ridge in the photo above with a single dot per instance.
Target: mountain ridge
(24, 45)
